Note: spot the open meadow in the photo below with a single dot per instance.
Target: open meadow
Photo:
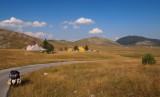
(120, 74)
(14, 57)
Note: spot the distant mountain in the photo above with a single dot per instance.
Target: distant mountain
(138, 41)
(97, 41)
(15, 40)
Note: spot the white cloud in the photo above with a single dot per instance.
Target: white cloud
(79, 21)
(95, 31)
(65, 27)
(38, 24)
(83, 21)
(49, 36)
(40, 35)
(20, 24)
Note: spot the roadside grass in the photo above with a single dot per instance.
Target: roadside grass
(14, 57)
(116, 77)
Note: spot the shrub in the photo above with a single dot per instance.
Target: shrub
(86, 48)
(61, 49)
(66, 48)
(49, 47)
(148, 59)
(76, 48)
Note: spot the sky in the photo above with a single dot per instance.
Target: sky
(77, 19)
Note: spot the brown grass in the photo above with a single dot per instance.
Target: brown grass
(110, 78)
(13, 58)
(119, 76)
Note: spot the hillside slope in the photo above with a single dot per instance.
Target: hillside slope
(15, 40)
(139, 41)
(97, 41)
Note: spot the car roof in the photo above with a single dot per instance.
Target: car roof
(14, 72)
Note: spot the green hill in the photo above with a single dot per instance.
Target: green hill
(138, 41)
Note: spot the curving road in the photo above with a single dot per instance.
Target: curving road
(25, 69)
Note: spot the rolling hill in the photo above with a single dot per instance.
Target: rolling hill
(15, 40)
(97, 41)
(138, 41)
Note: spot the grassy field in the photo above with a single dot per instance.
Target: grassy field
(121, 74)
(13, 58)
(110, 78)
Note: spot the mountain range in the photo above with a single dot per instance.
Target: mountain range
(15, 40)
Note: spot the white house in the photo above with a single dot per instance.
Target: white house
(33, 46)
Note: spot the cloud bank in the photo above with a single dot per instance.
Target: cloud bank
(20, 24)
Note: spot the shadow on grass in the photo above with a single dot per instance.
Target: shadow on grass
(25, 82)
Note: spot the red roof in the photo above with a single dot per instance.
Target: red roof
(32, 43)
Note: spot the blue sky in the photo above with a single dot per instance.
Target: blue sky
(77, 19)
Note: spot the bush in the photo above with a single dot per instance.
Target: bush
(66, 48)
(61, 49)
(76, 48)
(148, 59)
(86, 48)
(49, 47)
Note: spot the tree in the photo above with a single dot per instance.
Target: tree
(66, 48)
(76, 48)
(49, 47)
(148, 59)
(86, 48)
(61, 49)
(45, 43)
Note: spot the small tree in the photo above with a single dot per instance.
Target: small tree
(49, 47)
(148, 59)
(86, 48)
(65, 48)
(76, 48)
(45, 43)
(61, 49)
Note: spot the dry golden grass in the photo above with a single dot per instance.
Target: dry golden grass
(121, 75)
(110, 78)
(13, 58)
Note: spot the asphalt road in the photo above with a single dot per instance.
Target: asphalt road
(4, 74)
